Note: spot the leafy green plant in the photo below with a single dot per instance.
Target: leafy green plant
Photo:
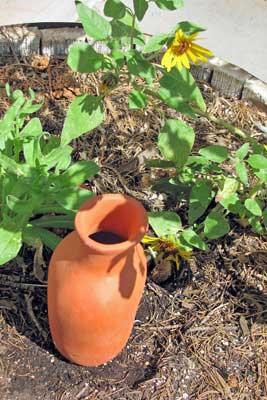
(200, 181)
(130, 57)
(215, 186)
(36, 179)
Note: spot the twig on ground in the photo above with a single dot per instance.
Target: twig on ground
(28, 301)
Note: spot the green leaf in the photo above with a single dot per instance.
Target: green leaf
(32, 151)
(115, 9)
(122, 30)
(140, 8)
(188, 28)
(257, 161)
(230, 186)
(262, 174)
(55, 156)
(36, 234)
(32, 93)
(200, 198)
(13, 185)
(73, 200)
(84, 114)
(214, 153)
(137, 99)
(168, 186)
(54, 221)
(21, 206)
(169, 4)
(155, 43)
(5, 133)
(242, 152)
(164, 222)
(10, 244)
(197, 160)
(17, 94)
(253, 206)
(29, 108)
(179, 87)
(8, 89)
(215, 225)
(63, 163)
(78, 173)
(242, 173)
(83, 58)
(175, 141)
(138, 66)
(13, 111)
(118, 57)
(157, 163)
(33, 129)
(192, 238)
(264, 215)
(233, 204)
(10, 165)
(94, 24)
(256, 225)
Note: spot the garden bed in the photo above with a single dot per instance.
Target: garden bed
(201, 334)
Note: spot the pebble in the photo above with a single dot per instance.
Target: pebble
(185, 396)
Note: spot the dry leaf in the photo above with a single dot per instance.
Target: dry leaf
(7, 304)
(57, 94)
(244, 326)
(39, 264)
(233, 381)
(40, 62)
(68, 94)
(162, 271)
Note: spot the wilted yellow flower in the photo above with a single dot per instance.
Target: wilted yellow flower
(182, 50)
(168, 248)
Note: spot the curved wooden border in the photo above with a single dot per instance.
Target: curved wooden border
(55, 38)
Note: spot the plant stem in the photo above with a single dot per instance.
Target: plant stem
(255, 189)
(132, 31)
(231, 128)
(227, 125)
(154, 55)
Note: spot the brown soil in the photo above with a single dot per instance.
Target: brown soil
(201, 335)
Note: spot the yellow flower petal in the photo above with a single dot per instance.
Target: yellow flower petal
(193, 36)
(201, 49)
(150, 239)
(184, 60)
(182, 50)
(192, 56)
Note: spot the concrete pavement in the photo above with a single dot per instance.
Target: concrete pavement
(236, 29)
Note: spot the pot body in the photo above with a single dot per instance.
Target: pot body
(94, 289)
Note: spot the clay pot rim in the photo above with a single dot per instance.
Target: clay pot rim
(118, 247)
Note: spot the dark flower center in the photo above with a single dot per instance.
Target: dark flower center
(181, 49)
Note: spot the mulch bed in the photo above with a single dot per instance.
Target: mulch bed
(199, 335)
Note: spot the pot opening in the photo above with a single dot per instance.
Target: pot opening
(106, 237)
(111, 223)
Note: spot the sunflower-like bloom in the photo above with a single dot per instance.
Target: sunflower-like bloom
(182, 50)
(168, 248)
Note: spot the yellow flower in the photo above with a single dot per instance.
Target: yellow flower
(168, 248)
(182, 50)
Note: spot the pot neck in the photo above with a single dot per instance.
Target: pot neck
(116, 214)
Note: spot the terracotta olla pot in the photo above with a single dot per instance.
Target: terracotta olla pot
(96, 279)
